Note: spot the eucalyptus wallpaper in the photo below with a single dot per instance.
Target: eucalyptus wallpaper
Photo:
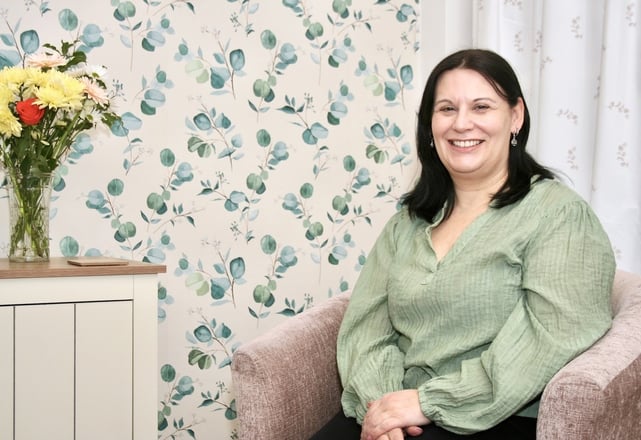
(264, 144)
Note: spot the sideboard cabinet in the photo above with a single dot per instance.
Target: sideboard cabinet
(79, 351)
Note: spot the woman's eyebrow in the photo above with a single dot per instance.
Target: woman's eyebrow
(447, 100)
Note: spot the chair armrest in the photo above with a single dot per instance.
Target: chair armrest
(286, 381)
(597, 396)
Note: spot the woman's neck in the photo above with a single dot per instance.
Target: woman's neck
(476, 195)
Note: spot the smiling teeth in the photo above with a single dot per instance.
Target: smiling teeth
(465, 144)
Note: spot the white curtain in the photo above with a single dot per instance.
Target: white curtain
(579, 63)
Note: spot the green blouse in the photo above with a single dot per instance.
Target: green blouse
(524, 289)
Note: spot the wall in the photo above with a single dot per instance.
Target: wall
(268, 142)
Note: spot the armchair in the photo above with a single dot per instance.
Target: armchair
(287, 385)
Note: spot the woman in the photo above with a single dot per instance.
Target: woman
(490, 279)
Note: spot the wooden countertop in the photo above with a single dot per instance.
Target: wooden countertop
(59, 267)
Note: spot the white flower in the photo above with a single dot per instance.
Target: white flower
(94, 71)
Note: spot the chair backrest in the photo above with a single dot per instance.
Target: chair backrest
(626, 290)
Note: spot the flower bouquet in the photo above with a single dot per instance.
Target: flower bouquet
(44, 105)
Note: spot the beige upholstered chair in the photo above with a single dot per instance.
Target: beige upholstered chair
(287, 385)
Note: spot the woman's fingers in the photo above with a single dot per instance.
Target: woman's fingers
(399, 409)
(394, 434)
(414, 431)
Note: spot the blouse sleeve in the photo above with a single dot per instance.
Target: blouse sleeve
(567, 274)
(369, 361)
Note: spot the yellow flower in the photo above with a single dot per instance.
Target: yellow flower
(12, 78)
(9, 124)
(13, 74)
(58, 90)
(6, 96)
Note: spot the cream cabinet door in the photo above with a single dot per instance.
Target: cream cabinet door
(6, 371)
(44, 372)
(104, 370)
(73, 370)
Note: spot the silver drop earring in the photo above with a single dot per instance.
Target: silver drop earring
(431, 142)
(513, 142)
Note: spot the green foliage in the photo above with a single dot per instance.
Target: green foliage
(263, 294)
(210, 340)
(178, 389)
(386, 144)
(263, 88)
(291, 309)
(69, 247)
(212, 132)
(164, 300)
(338, 107)
(311, 133)
(154, 33)
(153, 95)
(217, 401)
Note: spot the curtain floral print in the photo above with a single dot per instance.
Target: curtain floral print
(264, 144)
(581, 71)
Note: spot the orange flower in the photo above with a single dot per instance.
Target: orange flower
(28, 112)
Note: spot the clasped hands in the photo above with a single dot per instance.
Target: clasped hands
(392, 416)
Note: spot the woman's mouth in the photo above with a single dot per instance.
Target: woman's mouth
(466, 143)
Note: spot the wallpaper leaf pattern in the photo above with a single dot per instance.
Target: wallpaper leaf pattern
(263, 146)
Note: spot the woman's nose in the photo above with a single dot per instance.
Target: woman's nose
(462, 121)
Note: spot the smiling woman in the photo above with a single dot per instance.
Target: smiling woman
(490, 279)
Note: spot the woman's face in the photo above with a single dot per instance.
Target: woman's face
(471, 125)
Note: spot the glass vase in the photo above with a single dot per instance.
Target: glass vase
(29, 200)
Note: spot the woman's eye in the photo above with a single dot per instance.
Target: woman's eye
(481, 107)
(446, 109)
